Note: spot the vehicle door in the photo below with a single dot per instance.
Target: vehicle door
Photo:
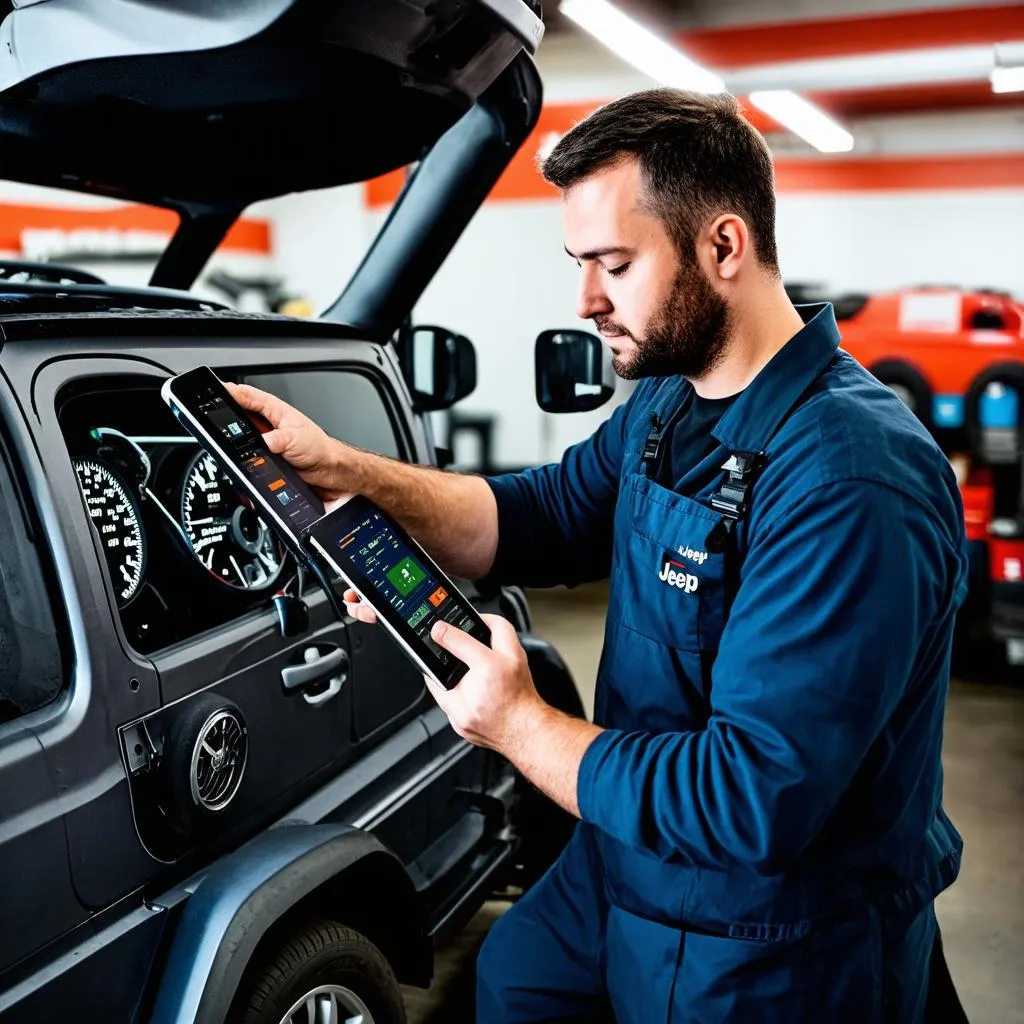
(37, 900)
(212, 647)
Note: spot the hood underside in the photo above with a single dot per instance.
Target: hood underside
(164, 103)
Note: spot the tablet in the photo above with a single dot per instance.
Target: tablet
(399, 581)
(357, 540)
(206, 409)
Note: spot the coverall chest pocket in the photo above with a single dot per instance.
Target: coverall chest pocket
(675, 592)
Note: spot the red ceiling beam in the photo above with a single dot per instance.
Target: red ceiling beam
(842, 37)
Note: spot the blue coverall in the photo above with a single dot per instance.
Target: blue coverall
(762, 833)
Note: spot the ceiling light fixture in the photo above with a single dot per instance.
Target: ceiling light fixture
(811, 123)
(658, 59)
(1008, 70)
(1007, 79)
(639, 46)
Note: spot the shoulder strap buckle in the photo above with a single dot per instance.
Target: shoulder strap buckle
(652, 445)
(732, 498)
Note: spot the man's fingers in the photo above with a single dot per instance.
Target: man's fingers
(358, 609)
(458, 642)
(269, 406)
(277, 440)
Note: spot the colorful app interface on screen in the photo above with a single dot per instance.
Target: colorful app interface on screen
(395, 571)
(279, 485)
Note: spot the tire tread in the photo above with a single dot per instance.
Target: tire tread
(280, 970)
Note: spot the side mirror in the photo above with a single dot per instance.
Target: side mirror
(438, 365)
(574, 371)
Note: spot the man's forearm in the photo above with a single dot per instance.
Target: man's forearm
(547, 746)
(453, 515)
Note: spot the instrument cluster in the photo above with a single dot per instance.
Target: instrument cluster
(184, 548)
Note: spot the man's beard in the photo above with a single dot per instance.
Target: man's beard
(687, 336)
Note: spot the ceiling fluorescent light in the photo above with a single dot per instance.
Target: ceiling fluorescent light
(804, 119)
(1008, 70)
(1007, 79)
(639, 46)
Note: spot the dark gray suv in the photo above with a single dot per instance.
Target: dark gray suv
(218, 802)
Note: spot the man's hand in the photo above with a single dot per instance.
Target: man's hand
(496, 699)
(495, 702)
(496, 705)
(318, 457)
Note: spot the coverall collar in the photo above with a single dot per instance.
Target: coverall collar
(760, 408)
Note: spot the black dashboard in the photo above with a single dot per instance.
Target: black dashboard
(185, 550)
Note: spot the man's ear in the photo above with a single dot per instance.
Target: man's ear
(727, 244)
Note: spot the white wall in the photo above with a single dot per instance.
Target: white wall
(507, 279)
(875, 241)
(318, 239)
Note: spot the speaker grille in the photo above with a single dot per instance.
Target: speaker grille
(218, 761)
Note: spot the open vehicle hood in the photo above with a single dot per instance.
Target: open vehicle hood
(205, 108)
(162, 102)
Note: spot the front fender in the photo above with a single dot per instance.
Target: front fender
(246, 893)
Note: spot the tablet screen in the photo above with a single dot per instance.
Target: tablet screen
(401, 583)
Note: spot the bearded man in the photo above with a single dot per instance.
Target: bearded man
(761, 834)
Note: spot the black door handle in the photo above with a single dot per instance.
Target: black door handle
(330, 667)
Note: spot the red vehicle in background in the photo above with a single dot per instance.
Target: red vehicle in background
(956, 358)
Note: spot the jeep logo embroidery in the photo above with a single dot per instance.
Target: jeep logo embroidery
(697, 556)
(675, 575)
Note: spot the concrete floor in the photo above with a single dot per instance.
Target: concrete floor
(982, 915)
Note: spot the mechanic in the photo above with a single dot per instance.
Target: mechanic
(761, 835)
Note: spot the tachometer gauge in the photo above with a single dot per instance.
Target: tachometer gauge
(225, 532)
(117, 518)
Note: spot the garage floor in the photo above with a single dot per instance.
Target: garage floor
(982, 916)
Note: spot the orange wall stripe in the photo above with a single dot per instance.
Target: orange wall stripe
(521, 178)
(897, 174)
(846, 36)
(247, 235)
(383, 191)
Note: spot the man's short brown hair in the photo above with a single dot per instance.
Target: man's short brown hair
(698, 156)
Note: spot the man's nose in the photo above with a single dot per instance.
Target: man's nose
(591, 300)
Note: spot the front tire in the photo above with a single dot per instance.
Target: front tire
(320, 972)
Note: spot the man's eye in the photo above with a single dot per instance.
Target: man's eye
(619, 270)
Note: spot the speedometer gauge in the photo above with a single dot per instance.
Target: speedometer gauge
(225, 532)
(116, 517)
